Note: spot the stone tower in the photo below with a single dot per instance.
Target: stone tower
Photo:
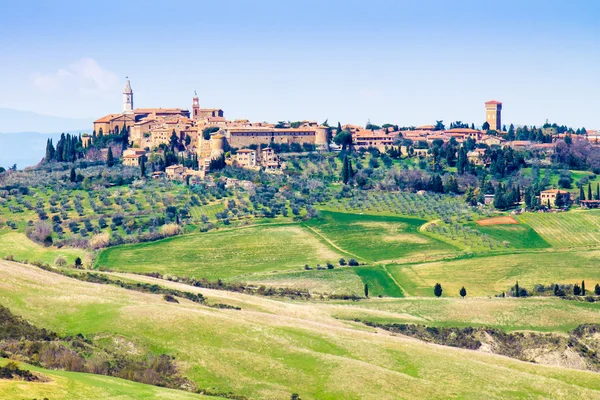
(321, 138)
(195, 107)
(493, 115)
(128, 99)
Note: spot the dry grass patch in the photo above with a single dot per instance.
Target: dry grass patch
(497, 221)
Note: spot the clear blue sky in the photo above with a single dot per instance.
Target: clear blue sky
(406, 62)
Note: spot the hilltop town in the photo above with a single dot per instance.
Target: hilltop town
(154, 247)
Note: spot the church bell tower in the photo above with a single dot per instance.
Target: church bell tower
(195, 107)
(128, 99)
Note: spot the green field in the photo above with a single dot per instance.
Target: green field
(544, 314)
(224, 254)
(289, 347)
(519, 236)
(491, 275)
(575, 228)
(16, 244)
(376, 238)
(75, 386)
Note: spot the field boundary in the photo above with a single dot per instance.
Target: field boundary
(335, 246)
(404, 292)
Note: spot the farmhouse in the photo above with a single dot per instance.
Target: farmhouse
(549, 196)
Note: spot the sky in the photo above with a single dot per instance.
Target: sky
(404, 62)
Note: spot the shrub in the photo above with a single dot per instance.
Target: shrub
(170, 230)
(330, 265)
(99, 241)
(352, 262)
(342, 261)
(60, 261)
(170, 299)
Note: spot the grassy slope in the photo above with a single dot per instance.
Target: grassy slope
(287, 347)
(568, 229)
(62, 385)
(18, 245)
(223, 254)
(543, 314)
(376, 238)
(519, 236)
(487, 276)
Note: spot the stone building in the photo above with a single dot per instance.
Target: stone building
(493, 115)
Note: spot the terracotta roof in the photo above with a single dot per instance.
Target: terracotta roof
(107, 118)
(493, 102)
(557, 191)
(462, 130)
(246, 151)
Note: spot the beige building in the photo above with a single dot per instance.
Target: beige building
(246, 158)
(132, 157)
(551, 195)
(493, 115)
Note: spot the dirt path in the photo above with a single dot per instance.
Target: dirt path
(316, 232)
(394, 280)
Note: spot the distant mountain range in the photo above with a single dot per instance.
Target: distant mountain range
(23, 135)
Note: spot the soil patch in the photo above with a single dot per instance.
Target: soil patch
(497, 221)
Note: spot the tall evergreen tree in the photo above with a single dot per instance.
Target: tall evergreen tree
(110, 161)
(517, 290)
(589, 196)
(581, 193)
(142, 166)
(583, 288)
(597, 290)
(73, 175)
(366, 290)
(463, 292)
(49, 151)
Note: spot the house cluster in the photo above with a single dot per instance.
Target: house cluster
(257, 158)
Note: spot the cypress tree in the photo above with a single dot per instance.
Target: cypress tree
(50, 151)
(437, 290)
(589, 196)
(597, 290)
(367, 290)
(597, 191)
(517, 290)
(583, 288)
(463, 292)
(581, 194)
(142, 167)
(110, 161)
(73, 175)
(346, 170)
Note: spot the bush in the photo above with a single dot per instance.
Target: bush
(60, 261)
(99, 241)
(170, 230)
(352, 262)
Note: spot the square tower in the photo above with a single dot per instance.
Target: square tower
(493, 115)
